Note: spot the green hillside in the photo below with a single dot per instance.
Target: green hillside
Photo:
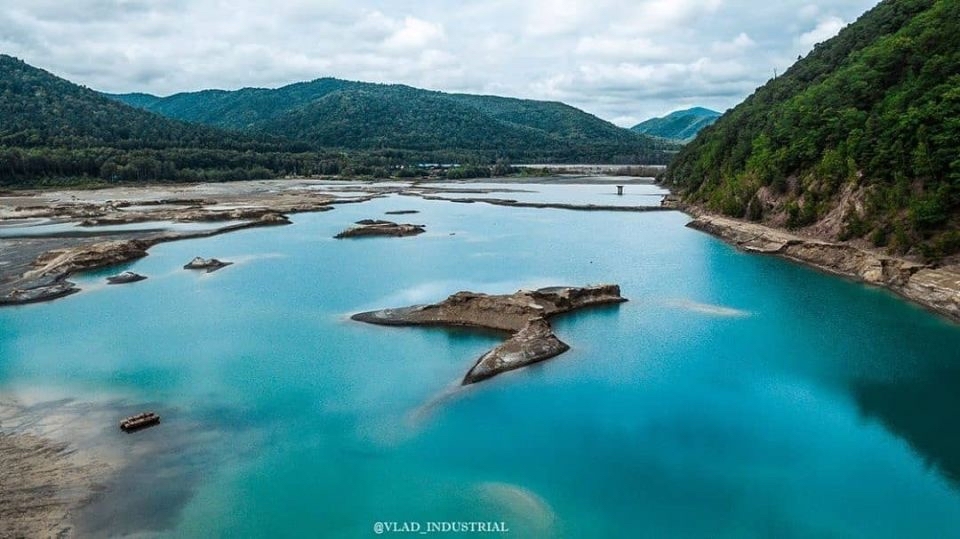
(859, 140)
(56, 132)
(39, 109)
(333, 113)
(680, 126)
(239, 109)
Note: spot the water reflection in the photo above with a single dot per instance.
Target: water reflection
(920, 409)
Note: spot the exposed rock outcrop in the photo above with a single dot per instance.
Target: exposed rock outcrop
(42, 292)
(211, 265)
(937, 289)
(522, 313)
(533, 343)
(261, 215)
(671, 202)
(508, 312)
(91, 256)
(45, 281)
(125, 277)
(376, 227)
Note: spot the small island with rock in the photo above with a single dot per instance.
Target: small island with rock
(125, 277)
(377, 227)
(211, 265)
(45, 291)
(524, 314)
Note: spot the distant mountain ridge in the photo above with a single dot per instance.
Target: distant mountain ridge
(335, 113)
(55, 132)
(682, 125)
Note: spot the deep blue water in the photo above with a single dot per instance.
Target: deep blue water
(733, 396)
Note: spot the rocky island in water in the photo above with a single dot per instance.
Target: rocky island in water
(379, 227)
(524, 314)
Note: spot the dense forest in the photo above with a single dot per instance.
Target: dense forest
(332, 113)
(41, 110)
(866, 127)
(54, 132)
(680, 126)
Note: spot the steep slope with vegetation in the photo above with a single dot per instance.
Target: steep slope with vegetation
(39, 109)
(56, 132)
(333, 113)
(681, 126)
(859, 140)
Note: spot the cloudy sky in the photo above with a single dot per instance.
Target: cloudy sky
(622, 60)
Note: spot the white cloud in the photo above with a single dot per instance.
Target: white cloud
(825, 29)
(373, 26)
(414, 34)
(671, 12)
(735, 46)
(809, 11)
(609, 47)
(623, 61)
(552, 17)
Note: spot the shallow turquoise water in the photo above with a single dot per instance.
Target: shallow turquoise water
(634, 193)
(733, 396)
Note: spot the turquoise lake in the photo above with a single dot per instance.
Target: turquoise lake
(734, 395)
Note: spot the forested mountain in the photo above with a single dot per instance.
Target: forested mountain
(53, 131)
(681, 125)
(860, 139)
(334, 113)
(39, 109)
